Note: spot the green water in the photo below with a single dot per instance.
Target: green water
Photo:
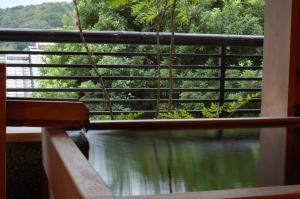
(168, 162)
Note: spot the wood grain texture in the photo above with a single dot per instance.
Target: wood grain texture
(293, 137)
(217, 123)
(275, 83)
(71, 176)
(277, 90)
(23, 137)
(46, 114)
(2, 129)
(281, 192)
(69, 173)
(294, 94)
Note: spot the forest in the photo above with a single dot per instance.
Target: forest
(43, 16)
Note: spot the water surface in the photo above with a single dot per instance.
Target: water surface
(167, 162)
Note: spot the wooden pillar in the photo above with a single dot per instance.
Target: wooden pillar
(2, 129)
(292, 167)
(279, 153)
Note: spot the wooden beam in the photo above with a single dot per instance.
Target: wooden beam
(23, 137)
(2, 129)
(217, 123)
(46, 114)
(23, 134)
(280, 192)
(69, 173)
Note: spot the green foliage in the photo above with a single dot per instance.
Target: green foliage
(130, 116)
(215, 111)
(122, 116)
(118, 3)
(181, 114)
(43, 16)
(146, 12)
(232, 107)
(199, 16)
(204, 16)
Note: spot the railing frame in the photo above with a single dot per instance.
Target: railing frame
(143, 38)
(126, 37)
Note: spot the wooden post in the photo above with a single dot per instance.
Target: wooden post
(293, 137)
(2, 129)
(279, 152)
(69, 173)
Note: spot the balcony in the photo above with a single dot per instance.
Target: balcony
(67, 172)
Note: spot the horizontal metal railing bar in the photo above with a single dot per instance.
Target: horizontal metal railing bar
(123, 54)
(112, 100)
(243, 79)
(42, 99)
(128, 89)
(108, 89)
(217, 123)
(110, 78)
(115, 54)
(126, 37)
(94, 78)
(136, 111)
(133, 66)
(242, 89)
(111, 66)
(149, 100)
(127, 100)
(243, 56)
(243, 67)
(165, 111)
(252, 100)
(162, 100)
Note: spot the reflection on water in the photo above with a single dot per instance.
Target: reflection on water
(154, 163)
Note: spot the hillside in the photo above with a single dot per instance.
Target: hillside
(43, 16)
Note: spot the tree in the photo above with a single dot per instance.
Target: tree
(208, 16)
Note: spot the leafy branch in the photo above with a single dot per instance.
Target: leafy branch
(93, 61)
(215, 111)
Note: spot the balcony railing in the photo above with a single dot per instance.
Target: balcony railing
(208, 69)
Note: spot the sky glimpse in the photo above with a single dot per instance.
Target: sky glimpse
(12, 3)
